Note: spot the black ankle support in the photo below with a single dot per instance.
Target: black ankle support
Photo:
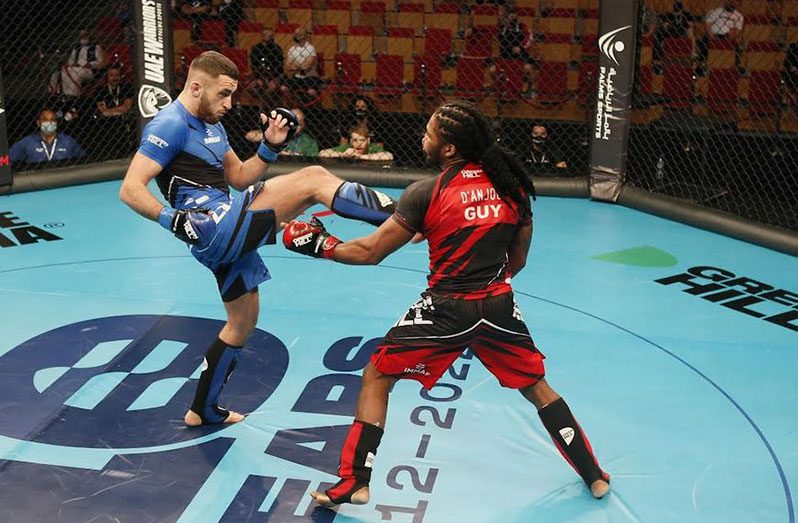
(571, 441)
(221, 360)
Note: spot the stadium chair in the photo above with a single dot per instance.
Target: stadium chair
(590, 23)
(677, 85)
(552, 84)
(325, 39)
(485, 14)
(763, 56)
(764, 92)
(554, 47)
(400, 42)
(678, 46)
(299, 12)
(390, 75)
(558, 21)
(265, 12)
(411, 15)
(721, 54)
(348, 73)
(470, 77)
(760, 28)
(427, 75)
(181, 35)
(360, 41)
(240, 57)
(372, 14)
(212, 31)
(753, 8)
(509, 80)
(437, 42)
(526, 15)
(481, 41)
(722, 91)
(249, 34)
(339, 14)
(444, 16)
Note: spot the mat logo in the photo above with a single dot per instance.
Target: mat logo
(126, 377)
(739, 293)
(23, 232)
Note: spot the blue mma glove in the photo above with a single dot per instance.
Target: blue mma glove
(268, 151)
(195, 227)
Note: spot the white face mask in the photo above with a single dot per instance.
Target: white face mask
(84, 41)
(48, 127)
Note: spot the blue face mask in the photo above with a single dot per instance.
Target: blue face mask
(48, 127)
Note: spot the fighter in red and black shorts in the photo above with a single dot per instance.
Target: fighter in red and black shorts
(477, 218)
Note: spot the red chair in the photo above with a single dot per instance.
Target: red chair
(480, 43)
(470, 77)
(764, 92)
(390, 74)
(438, 42)
(348, 73)
(722, 92)
(213, 31)
(677, 85)
(427, 75)
(509, 80)
(239, 57)
(552, 84)
(678, 46)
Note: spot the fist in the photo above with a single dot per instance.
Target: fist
(310, 239)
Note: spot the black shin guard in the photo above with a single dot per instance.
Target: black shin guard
(356, 201)
(357, 457)
(220, 361)
(571, 441)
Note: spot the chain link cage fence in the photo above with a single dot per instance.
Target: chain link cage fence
(713, 120)
(715, 106)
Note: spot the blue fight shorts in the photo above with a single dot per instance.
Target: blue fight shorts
(232, 252)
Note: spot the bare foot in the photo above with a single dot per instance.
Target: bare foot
(192, 419)
(599, 488)
(360, 497)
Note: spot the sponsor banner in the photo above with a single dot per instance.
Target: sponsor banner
(154, 58)
(5, 159)
(611, 117)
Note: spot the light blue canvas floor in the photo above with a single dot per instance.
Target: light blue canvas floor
(689, 401)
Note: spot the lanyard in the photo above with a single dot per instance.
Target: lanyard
(50, 153)
(115, 95)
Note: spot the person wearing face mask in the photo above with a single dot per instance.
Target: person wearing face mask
(544, 158)
(363, 114)
(300, 67)
(724, 22)
(266, 58)
(47, 145)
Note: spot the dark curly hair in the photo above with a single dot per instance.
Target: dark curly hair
(463, 125)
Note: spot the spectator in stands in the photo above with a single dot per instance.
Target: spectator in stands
(724, 22)
(361, 113)
(301, 76)
(197, 11)
(231, 12)
(266, 58)
(113, 123)
(677, 23)
(790, 74)
(359, 148)
(515, 39)
(543, 157)
(84, 61)
(302, 144)
(46, 145)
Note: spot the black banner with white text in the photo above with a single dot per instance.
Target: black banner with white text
(612, 115)
(154, 57)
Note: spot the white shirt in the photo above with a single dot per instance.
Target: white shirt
(721, 21)
(296, 56)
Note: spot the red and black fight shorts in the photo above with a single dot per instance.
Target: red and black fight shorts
(436, 330)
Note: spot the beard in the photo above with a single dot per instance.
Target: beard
(433, 158)
(205, 111)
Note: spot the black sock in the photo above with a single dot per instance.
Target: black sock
(571, 441)
(220, 361)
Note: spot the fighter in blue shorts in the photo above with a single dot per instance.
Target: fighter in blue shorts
(185, 149)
